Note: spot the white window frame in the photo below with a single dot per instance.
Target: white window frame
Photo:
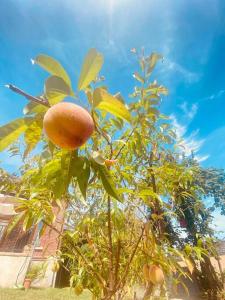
(3, 226)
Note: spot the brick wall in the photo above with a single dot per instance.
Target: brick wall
(14, 253)
(16, 240)
(48, 243)
(221, 247)
(50, 240)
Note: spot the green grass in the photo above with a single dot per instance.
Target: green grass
(42, 294)
(45, 294)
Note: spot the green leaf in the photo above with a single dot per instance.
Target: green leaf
(27, 222)
(107, 180)
(105, 101)
(51, 147)
(125, 190)
(80, 169)
(32, 135)
(52, 174)
(84, 177)
(56, 89)
(91, 66)
(10, 132)
(43, 229)
(53, 67)
(76, 165)
(16, 219)
(148, 192)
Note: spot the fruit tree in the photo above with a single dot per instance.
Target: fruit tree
(118, 168)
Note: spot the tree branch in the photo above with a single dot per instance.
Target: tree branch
(27, 96)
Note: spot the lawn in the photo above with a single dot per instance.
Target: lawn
(42, 294)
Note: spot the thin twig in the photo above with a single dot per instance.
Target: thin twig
(98, 276)
(123, 279)
(103, 134)
(120, 150)
(117, 260)
(27, 96)
(76, 249)
(111, 274)
(157, 209)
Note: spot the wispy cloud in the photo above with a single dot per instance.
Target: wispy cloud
(191, 143)
(188, 143)
(189, 112)
(215, 145)
(201, 158)
(178, 69)
(213, 96)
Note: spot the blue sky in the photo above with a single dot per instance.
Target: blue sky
(189, 34)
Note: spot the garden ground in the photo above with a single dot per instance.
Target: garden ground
(42, 294)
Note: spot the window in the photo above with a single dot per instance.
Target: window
(3, 226)
(37, 241)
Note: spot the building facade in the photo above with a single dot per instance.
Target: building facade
(19, 250)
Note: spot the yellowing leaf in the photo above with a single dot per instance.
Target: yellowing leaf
(56, 89)
(152, 62)
(53, 67)
(33, 107)
(105, 101)
(156, 89)
(27, 222)
(16, 219)
(55, 84)
(107, 182)
(91, 66)
(188, 249)
(138, 77)
(32, 135)
(189, 265)
(119, 97)
(125, 190)
(153, 111)
(10, 132)
(98, 158)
